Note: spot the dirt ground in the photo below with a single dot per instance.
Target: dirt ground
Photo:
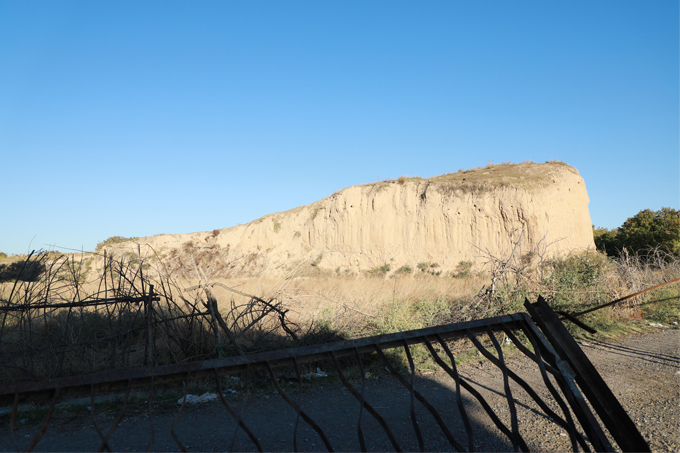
(643, 371)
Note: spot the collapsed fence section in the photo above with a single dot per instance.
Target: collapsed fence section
(455, 411)
(55, 323)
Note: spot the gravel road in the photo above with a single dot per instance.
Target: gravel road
(643, 371)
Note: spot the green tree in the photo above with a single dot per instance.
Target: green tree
(607, 240)
(647, 229)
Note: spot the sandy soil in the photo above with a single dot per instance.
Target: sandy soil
(643, 371)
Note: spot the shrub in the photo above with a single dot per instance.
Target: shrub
(663, 305)
(317, 260)
(23, 270)
(277, 227)
(463, 269)
(429, 268)
(113, 240)
(74, 271)
(401, 180)
(405, 269)
(577, 281)
(380, 271)
(316, 211)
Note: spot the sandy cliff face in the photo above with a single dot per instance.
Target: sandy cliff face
(445, 220)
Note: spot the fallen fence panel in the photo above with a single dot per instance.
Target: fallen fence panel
(453, 412)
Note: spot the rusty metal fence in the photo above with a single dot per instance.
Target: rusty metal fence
(555, 384)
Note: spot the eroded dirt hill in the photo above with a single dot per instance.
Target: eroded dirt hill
(441, 221)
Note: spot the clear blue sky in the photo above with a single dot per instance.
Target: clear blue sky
(140, 118)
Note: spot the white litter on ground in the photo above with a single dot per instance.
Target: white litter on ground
(193, 399)
(655, 324)
(318, 373)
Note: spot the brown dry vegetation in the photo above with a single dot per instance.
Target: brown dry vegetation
(493, 177)
(307, 306)
(351, 304)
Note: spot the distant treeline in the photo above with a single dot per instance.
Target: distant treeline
(646, 230)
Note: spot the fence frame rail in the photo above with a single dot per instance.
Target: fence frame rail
(553, 351)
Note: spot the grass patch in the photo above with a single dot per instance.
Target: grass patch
(380, 271)
(317, 260)
(429, 268)
(493, 177)
(405, 269)
(315, 212)
(463, 269)
(113, 240)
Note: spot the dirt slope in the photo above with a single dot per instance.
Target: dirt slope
(444, 220)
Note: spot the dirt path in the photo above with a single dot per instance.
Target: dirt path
(643, 371)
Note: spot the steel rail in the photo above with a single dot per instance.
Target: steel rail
(599, 307)
(84, 303)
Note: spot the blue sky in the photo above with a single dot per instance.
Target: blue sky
(141, 118)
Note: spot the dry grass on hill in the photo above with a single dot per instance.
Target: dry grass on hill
(348, 300)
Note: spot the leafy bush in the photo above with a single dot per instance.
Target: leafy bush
(113, 240)
(576, 281)
(380, 271)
